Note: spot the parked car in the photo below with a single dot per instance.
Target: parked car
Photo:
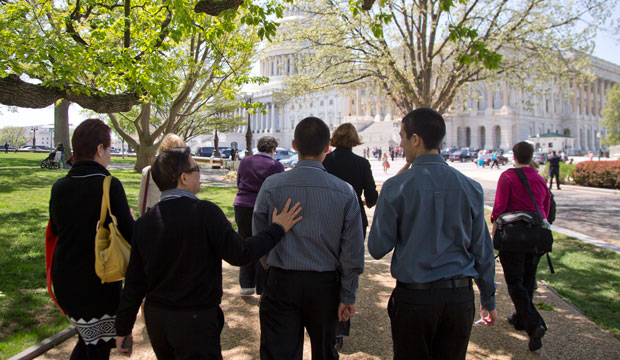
(445, 154)
(540, 158)
(282, 153)
(461, 156)
(290, 162)
(225, 152)
(205, 151)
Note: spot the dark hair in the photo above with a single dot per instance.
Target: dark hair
(523, 152)
(168, 166)
(267, 144)
(428, 124)
(311, 136)
(345, 136)
(87, 137)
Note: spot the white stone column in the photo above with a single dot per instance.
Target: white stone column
(596, 98)
(574, 97)
(272, 117)
(582, 100)
(589, 99)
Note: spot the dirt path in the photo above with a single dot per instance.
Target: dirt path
(571, 335)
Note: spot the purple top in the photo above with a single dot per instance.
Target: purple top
(252, 172)
(511, 194)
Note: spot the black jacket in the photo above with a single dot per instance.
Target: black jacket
(355, 170)
(176, 258)
(75, 206)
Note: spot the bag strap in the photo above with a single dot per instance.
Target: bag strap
(526, 183)
(105, 201)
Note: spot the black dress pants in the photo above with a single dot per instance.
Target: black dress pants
(251, 275)
(554, 173)
(185, 334)
(292, 301)
(520, 274)
(431, 323)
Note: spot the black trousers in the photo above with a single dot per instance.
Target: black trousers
(292, 301)
(251, 275)
(432, 323)
(100, 351)
(554, 173)
(520, 274)
(185, 334)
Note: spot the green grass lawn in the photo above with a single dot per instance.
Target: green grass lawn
(589, 277)
(27, 314)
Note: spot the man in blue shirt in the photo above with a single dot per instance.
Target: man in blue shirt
(314, 271)
(432, 216)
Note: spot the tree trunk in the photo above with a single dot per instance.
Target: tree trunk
(147, 147)
(216, 145)
(145, 154)
(61, 126)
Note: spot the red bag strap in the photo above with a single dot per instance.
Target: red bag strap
(50, 248)
(146, 191)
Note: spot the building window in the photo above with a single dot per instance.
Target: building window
(331, 101)
(322, 102)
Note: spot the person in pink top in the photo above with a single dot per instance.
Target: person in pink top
(520, 267)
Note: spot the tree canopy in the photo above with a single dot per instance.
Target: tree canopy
(611, 116)
(109, 55)
(422, 53)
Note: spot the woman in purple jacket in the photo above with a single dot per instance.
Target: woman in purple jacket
(253, 170)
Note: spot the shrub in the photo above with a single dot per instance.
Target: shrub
(598, 173)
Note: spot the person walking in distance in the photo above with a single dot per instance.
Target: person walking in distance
(356, 171)
(520, 267)
(252, 172)
(554, 170)
(432, 216)
(313, 272)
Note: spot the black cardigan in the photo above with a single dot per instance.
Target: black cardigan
(355, 170)
(75, 206)
(176, 259)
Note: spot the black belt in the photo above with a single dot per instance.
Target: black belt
(439, 284)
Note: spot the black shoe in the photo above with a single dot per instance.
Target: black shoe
(339, 343)
(511, 321)
(535, 342)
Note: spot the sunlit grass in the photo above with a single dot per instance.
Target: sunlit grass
(27, 314)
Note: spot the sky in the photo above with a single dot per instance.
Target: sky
(607, 48)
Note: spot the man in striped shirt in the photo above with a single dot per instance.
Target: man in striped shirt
(313, 272)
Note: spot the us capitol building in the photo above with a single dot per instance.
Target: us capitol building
(495, 116)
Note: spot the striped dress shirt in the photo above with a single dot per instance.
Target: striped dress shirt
(330, 235)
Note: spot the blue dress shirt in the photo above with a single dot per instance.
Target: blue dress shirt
(433, 218)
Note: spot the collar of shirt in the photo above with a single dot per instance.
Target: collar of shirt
(264, 155)
(428, 159)
(310, 164)
(176, 193)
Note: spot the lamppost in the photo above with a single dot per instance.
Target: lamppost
(248, 132)
(34, 136)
